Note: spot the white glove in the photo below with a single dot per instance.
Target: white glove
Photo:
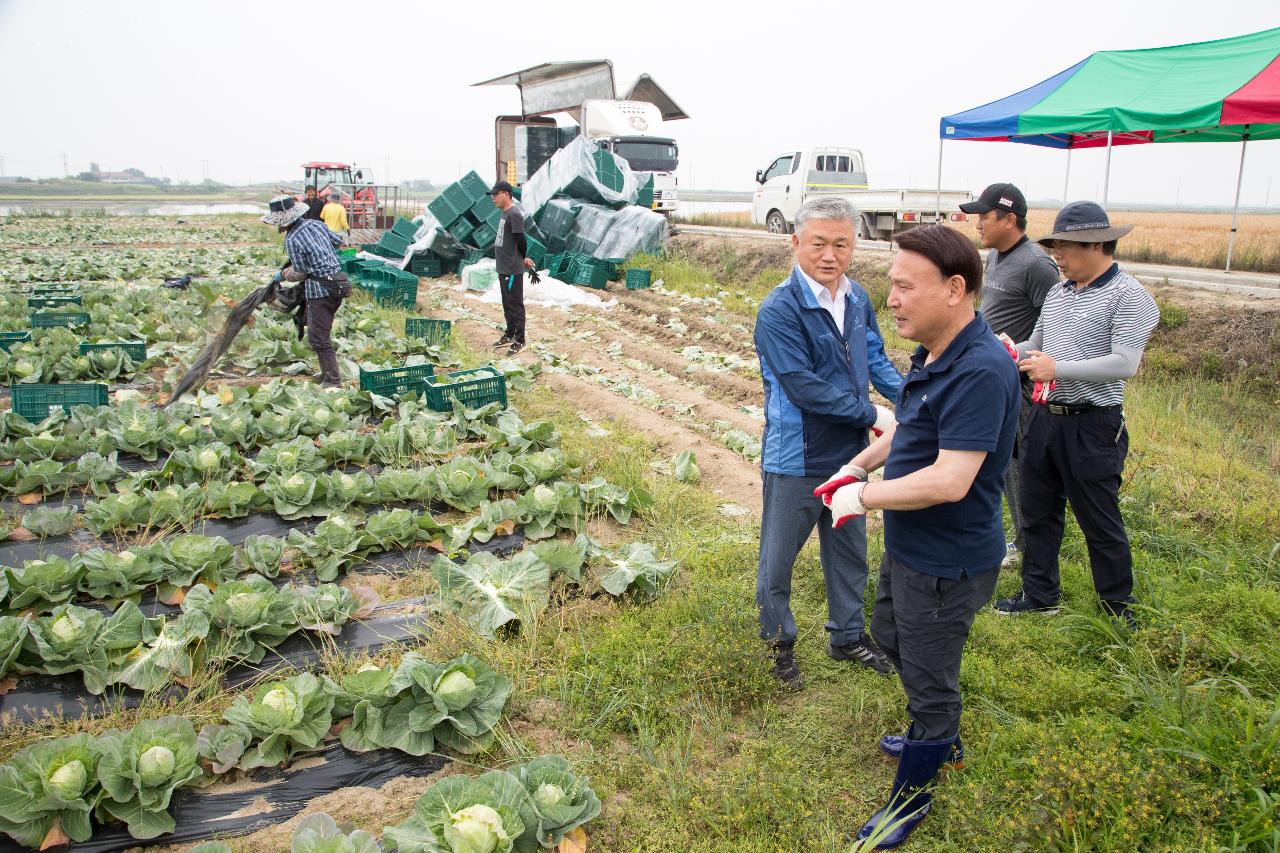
(846, 504)
(846, 475)
(885, 418)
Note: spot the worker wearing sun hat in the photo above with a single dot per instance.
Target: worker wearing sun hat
(313, 260)
(1089, 339)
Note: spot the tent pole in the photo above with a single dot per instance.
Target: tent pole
(1066, 181)
(1106, 178)
(937, 199)
(1235, 211)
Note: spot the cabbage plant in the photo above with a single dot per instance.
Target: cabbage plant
(488, 592)
(319, 833)
(636, 568)
(297, 495)
(41, 584)
(141, 768)
(192, 555)
(463, 482)
(328, 607)
(109, 576)
(223, 746)
(490, 813)
(13, 630)
(77, 639)
(285, 718)
(246, 617)
(562, 800)
(261, 554)
(48, 791)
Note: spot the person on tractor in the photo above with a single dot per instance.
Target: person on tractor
(315, 204)
(334, 214)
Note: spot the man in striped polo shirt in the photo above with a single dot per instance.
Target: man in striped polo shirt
(1089, 339)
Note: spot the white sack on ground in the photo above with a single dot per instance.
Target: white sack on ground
(549, 293)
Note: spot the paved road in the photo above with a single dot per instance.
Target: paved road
(1261, 285)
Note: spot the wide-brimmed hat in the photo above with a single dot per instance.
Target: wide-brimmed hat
(1084, 222)
(284, 210)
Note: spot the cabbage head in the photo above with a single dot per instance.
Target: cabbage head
(141, 768)
(50, 786)
(490, 813)
(285, 718)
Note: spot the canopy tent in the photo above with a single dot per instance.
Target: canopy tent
(1215, 91)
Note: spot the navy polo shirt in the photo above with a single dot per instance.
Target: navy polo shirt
(967, 399)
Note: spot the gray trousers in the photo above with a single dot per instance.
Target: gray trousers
(790, 512)
(922, 622)
(1013, 479)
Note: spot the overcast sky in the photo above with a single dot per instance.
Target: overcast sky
(255, 88)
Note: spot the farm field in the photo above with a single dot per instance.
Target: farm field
(1159, 237)
(632, 651)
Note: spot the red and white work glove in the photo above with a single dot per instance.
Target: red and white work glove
(1040, 391)
(1009, 346)
(846, 475)
(885, 418)
(846, 504)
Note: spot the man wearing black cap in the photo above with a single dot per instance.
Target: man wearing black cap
(509, 250)
(1089, 339)
(1018, 276)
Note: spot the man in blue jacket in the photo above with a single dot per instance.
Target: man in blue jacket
(819, 347)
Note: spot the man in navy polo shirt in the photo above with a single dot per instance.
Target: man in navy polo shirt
(944, 463)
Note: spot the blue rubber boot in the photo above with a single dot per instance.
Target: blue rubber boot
(910, 799)
(891, 745)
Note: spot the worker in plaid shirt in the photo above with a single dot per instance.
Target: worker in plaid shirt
(313, 260)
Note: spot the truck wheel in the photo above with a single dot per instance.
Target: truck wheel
(776, 223)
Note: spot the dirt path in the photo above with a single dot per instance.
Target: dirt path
(723, 471)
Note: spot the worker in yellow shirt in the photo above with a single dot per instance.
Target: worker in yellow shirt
(335, 215)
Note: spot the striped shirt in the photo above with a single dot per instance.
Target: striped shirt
(311, 246)
(1113, 311)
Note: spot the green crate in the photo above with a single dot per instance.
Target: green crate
(395, 381)
(136, 350)
(34, 402)
(54, 301)
(8, 339)
(535, 250)
(473, 186)
(55, 290)
(404, 228)
(485, 211)
(478, 386)
(484, 236)
(638, 279)
(393, 242)
(345, 254)
(51, 319)
(471, 256)
(444, 208)
(427, 267)
(462, 229)
(590, 272)
(435, 332)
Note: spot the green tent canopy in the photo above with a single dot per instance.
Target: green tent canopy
(1226, 90)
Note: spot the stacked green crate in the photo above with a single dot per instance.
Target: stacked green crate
(645, 196)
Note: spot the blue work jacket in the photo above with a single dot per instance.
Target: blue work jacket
(816, 400)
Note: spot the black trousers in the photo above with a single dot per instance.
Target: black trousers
(512, 287)
(320, 334)
(922, 622)
(1076, 458)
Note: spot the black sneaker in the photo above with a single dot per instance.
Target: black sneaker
(785, 668)
(863, 651)
(516, 347)
(501, 342)
(1121, 612)
(1021, 604)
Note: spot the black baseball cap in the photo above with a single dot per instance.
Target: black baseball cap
(1003, 197)
(502, 187)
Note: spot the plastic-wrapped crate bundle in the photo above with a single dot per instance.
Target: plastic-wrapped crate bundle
(555, 221)
(589, 228)
(574, 171)
(631, 230)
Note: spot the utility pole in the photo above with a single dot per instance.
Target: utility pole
(204, 169)
(386, 167)
(1, 165)
(65, 171)
(1177, 196)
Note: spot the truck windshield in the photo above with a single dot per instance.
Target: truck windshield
(658, 155)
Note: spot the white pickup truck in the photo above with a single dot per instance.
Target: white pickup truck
(796, 176)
